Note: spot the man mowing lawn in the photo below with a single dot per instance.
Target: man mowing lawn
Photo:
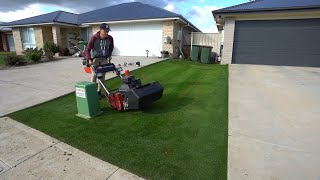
(101, 45)
(181, 136)
(131, 95)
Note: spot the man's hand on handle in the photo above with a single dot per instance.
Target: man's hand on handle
(90, 61)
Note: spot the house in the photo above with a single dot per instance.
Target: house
(6, 39)
(135, 27)
(271, 32)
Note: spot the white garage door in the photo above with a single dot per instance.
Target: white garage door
(135, 38)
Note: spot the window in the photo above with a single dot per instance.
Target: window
(86, 33)
(28, 38)
(10, 41)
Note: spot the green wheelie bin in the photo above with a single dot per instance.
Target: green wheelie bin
(205, 54)
(195, 54)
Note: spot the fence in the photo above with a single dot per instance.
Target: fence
(207, 39)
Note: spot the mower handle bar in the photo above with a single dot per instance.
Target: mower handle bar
(118, 72)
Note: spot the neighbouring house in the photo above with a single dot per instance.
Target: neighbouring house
(6, 39)
(271, 32)
(135, 27)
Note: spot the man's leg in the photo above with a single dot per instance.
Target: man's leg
(99, 86)
(94, 78)
(97, 62)
(103, 61)
(103, 79)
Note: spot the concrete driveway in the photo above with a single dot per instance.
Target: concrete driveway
(274, 122)
(26, 86)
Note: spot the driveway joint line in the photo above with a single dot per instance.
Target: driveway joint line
(12, 83)
(113, 173)
(274, 144)
(31, 156)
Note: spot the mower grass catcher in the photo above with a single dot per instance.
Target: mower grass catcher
(131, 95)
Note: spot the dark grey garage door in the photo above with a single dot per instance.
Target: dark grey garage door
(280, 42)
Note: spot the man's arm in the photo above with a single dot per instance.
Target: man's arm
(111, 46)
(87, 51)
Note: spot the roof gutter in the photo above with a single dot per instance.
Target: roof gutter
(40, 24)
(190, 25)
(139, 20)
(109, 22)
(216, 13)
(4, 29)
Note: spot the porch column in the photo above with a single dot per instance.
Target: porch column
(17, 40)
(56, 35)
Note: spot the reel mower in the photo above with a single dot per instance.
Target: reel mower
(131, 95)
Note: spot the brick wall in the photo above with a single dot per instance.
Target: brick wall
(17, 40)
(96, 28)
(38, 36)
(70, 36)
(167, 30)
(64, 38)
(171, 28)
(42, 34)
(74, 30)
(47, 34)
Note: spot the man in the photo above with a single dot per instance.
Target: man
(99, 50)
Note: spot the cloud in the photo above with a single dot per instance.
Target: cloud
(19, 9)
(31, 10)
(173, 8)
(201, 13)
(169, 7)
(202, 18)
(78, 6)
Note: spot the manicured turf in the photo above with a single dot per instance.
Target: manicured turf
(181, 136)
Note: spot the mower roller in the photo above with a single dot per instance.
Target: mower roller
(131, 95)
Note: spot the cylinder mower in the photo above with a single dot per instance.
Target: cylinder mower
(131, 95)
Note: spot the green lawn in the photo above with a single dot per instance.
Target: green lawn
(181, 136)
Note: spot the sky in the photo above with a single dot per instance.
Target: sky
(198, 12)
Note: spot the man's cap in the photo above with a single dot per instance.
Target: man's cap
(105, 26)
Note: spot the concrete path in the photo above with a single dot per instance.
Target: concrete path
(26, 153)
(274, 122)
(26, 86)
